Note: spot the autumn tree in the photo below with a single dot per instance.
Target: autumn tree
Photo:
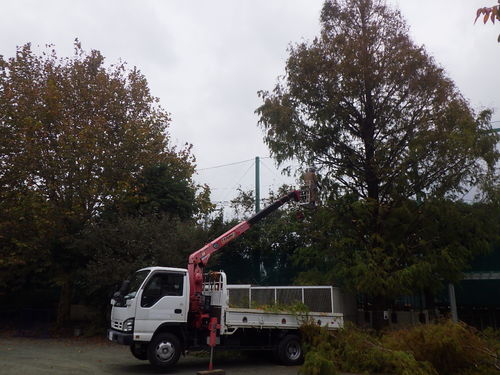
(384, 124)
(76, 133)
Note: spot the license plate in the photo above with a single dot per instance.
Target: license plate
(110, 336)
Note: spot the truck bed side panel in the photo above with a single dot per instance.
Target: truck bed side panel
(255, 318)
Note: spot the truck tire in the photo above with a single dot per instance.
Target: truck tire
(139, 351)
(289, 351)
(164, 350)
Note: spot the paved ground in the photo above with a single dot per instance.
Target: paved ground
(91, 356)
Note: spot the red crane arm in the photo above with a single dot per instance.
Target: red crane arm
(202, 255)
(198, 260)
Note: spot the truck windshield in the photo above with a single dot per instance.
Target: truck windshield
(135, 282)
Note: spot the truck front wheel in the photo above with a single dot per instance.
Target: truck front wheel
(164, 350)
(139, 351)
(289, 351)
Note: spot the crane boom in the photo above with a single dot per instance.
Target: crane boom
(198, 260)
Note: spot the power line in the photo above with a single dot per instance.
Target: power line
(276, 176)
(239, 180)
(225, 165)
(270, 170)
(238, 162)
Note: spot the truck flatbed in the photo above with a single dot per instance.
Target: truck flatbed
(257, 318)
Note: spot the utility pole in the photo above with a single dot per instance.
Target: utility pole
(453, 303)
(257, 184)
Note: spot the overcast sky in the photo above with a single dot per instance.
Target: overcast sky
(206, 60)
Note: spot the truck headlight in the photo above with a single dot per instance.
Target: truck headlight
(128, 325)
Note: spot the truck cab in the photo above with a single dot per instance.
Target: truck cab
(153, 297)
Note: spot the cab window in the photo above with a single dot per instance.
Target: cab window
(161, 285)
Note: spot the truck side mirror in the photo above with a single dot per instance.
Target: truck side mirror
(124, 288)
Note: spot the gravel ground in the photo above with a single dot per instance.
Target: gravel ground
(96, 356)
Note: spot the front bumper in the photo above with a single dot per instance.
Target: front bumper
(120, 337)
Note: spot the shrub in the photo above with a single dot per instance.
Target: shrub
(354, 350)
(451, 348)
(436, 349)
(316, 363)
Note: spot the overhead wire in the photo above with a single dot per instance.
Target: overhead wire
(278, 180)
(227, 192)
(269, 169)
(239, 180)
(224, 165)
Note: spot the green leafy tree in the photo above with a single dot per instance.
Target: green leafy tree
(75, 136)
(164, 189)
(153, 224)
(115, 248)
(384, 124)
(24, 227)
(422, 246)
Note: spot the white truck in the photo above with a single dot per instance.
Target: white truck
(162, 312)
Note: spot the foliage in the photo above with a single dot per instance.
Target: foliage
(388, 130)
(315, 363)
(75, 137)
(25, 233)
(353, 350)
(374, 111)
(297, 308)
(434, 349)
(76, 131)
(489, 13)
(422, 246)
(451, 348)
(492, 338)
(114, 249)
(166, 188)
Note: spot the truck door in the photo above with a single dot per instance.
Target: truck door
(163, 299)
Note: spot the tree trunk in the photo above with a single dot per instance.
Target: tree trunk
(430, 305)
(64, 306)
(379, 306)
